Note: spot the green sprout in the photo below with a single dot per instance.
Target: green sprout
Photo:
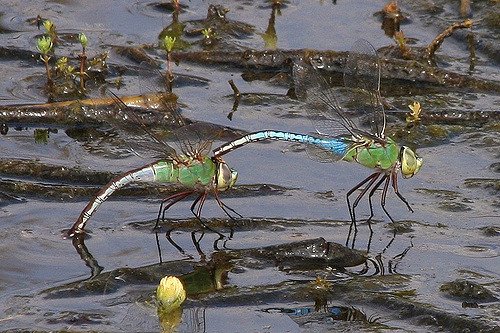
(168, 43)
(63, 66)
(405, 50)
(82, 38)
(207, 33)
(49, 26)
(170, 294)
(50, 29)
(44, 45)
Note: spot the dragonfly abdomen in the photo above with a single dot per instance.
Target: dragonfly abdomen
(336, 146)
(190, 172)
(143, 174)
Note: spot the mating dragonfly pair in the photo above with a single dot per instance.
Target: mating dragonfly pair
(337, 138)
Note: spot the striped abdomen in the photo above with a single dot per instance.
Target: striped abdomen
(192, 173)
(336, 146)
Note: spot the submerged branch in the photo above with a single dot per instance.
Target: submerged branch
(279, 60)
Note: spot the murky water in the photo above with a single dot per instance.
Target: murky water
(440, 271)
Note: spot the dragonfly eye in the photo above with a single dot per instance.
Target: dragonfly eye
(226, 177)
(410, 162)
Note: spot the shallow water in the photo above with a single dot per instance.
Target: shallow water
(283, 195)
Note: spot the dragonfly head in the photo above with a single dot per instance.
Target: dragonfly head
(410, 162)
(226, 177)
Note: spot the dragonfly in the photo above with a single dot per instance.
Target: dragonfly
(192, 168)
(339, 137)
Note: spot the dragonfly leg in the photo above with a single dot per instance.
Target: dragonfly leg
(169, 202)
(396, 190)
(225, 207)
(384, 195)
(173, 200)
(370, 195)
(200, 201)
(158, 247)
(352, 209)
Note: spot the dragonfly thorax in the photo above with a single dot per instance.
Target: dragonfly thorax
(410, 162)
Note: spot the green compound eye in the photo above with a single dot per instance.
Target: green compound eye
(410, 162)
(226, 177)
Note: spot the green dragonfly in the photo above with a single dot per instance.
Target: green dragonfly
(193, 169)
(338, 137)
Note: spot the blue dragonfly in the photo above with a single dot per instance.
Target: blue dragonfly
(339, 137)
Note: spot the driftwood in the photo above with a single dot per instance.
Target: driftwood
(91, 109)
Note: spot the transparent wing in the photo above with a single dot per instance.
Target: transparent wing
(142, 140)
(196, 139)
(362, 76)
(323, 107)
(182, 138)
(321, 155)
(190, 139)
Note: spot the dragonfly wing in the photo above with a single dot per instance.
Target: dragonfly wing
(196, 139)
(323, 106)
(362, 76)
(322, 155)
(141, 138)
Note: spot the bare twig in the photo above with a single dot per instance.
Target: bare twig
(471, 45)
(83, 65)
(236, 92)
(237, 97)
(436, 43)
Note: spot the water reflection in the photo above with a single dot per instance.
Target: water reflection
(309, 256)
(204, 277)
(192, 320)
(381, 266)
(82, 250)
(391, 17)
(169, 322)
(196, 238)
(270, 37)
(321, 310)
